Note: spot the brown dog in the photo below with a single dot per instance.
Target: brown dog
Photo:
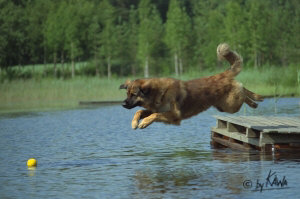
(170, 100)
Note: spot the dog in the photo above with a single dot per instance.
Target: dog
(170, 100)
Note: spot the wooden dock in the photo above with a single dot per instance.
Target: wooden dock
(250, 133)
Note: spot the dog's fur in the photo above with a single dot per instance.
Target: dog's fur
(170, 100)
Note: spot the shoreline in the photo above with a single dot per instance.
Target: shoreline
(87, 104)
(116, 102)
(281, 96)
(49, 93)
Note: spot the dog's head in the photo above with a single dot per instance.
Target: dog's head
(137, 93)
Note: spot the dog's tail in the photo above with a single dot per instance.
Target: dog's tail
(235, 60)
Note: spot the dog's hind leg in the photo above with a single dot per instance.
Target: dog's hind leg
(250, 102)
(253, 96)
(140, 114)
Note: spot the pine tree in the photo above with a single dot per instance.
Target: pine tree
(71, 33)
(287, 23)
(54, 31)
(132, 35)
(150, 28)
(177, 29)
(258, 23)
(214, 35)
(107, 36)
(235, 26)
(208, 31)
(36, 14)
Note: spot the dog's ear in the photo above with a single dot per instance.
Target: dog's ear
(145, 88)
(125, 85)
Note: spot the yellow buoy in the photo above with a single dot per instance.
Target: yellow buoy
(32, 162)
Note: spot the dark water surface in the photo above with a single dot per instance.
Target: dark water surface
(94, 153)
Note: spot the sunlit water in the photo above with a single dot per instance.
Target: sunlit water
(94, 153)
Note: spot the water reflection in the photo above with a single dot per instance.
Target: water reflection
(19, 114)
(221, 171)
(189, 181)
(228, 155)
(31, 171)
(164, 180)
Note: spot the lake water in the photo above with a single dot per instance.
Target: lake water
(92, 152)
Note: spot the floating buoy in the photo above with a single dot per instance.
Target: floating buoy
(31, 162)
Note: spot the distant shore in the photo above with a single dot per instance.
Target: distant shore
(51, 93)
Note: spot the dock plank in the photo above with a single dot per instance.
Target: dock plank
(278, 138)
(273, 124)
(248, 122)
(262, 120)
(231, 144)
(286, 120)
(282, 130)
(267, 121)
(237, 136)
(235, 120)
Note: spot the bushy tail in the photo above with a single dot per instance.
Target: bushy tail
(235, 60)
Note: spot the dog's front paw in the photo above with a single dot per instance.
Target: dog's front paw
(146, 122)
(134, 124)
(143, 125)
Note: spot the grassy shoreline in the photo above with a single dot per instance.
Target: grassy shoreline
(55, 93)
(50, 93)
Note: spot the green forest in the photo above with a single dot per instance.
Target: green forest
(144, 37)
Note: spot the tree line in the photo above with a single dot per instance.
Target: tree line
(147, 37)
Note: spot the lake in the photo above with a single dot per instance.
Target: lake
(92, 152)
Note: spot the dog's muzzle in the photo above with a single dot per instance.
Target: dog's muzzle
(129, 105)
